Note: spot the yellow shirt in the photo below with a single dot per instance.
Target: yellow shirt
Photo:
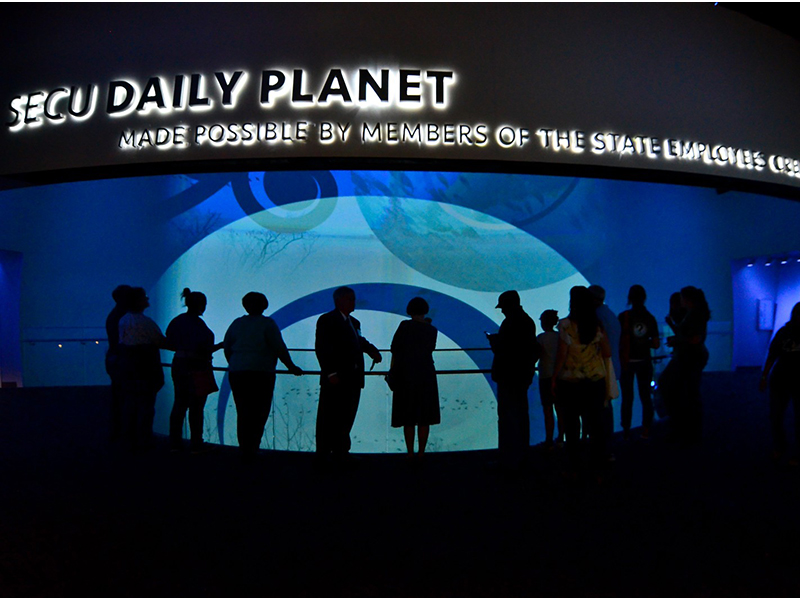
(583, 361)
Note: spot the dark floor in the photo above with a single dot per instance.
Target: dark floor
(81, 518)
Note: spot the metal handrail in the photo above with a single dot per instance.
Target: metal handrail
(285, 372)
(98, 340)
(657, 358)
(60, 340)
(389, 349)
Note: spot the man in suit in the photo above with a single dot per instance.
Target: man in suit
(340, 350)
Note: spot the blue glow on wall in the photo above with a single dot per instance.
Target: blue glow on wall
(10, 290)
(772, 279)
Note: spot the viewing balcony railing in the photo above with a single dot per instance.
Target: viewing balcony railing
(78, 360)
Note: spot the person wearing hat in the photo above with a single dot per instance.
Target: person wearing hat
(515, 354)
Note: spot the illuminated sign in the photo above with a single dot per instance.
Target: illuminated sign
(398, 92)
(402, 87)
(48, 107)
(396, 88)
(621, 145)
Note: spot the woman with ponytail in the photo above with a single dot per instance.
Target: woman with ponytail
(193, 343)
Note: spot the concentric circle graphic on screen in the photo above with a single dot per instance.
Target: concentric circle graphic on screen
(389, 248)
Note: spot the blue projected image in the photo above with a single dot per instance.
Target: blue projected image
(390, 236)
(456, 239)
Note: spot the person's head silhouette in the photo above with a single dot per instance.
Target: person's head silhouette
(508, 302)
(636, 295)
(549, 319)
(195, 302)
(121, 295)
(417, 307)
(344, 298)
(138, 300)
(255, 303)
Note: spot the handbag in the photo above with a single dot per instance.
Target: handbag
(204, 382)
(612, 388)
(391, 376)
(390, 380)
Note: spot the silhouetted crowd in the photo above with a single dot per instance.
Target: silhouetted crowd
(584, 360)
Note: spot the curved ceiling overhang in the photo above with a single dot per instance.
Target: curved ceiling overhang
(685, 94)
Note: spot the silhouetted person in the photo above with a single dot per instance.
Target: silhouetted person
(579, 377)
(340, 350)
(192, 376)
(667, 382)
(548, 347)
(684, 371)
(412, 376)
(120, 296)
(783, 369)
(611, 327)
(515, 354)
(639, 337)
(676, 313)
(140, 341)
(253, 344)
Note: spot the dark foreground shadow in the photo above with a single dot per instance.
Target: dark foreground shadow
(83, 519)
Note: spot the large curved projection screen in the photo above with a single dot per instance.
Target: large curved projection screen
(456, 239)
